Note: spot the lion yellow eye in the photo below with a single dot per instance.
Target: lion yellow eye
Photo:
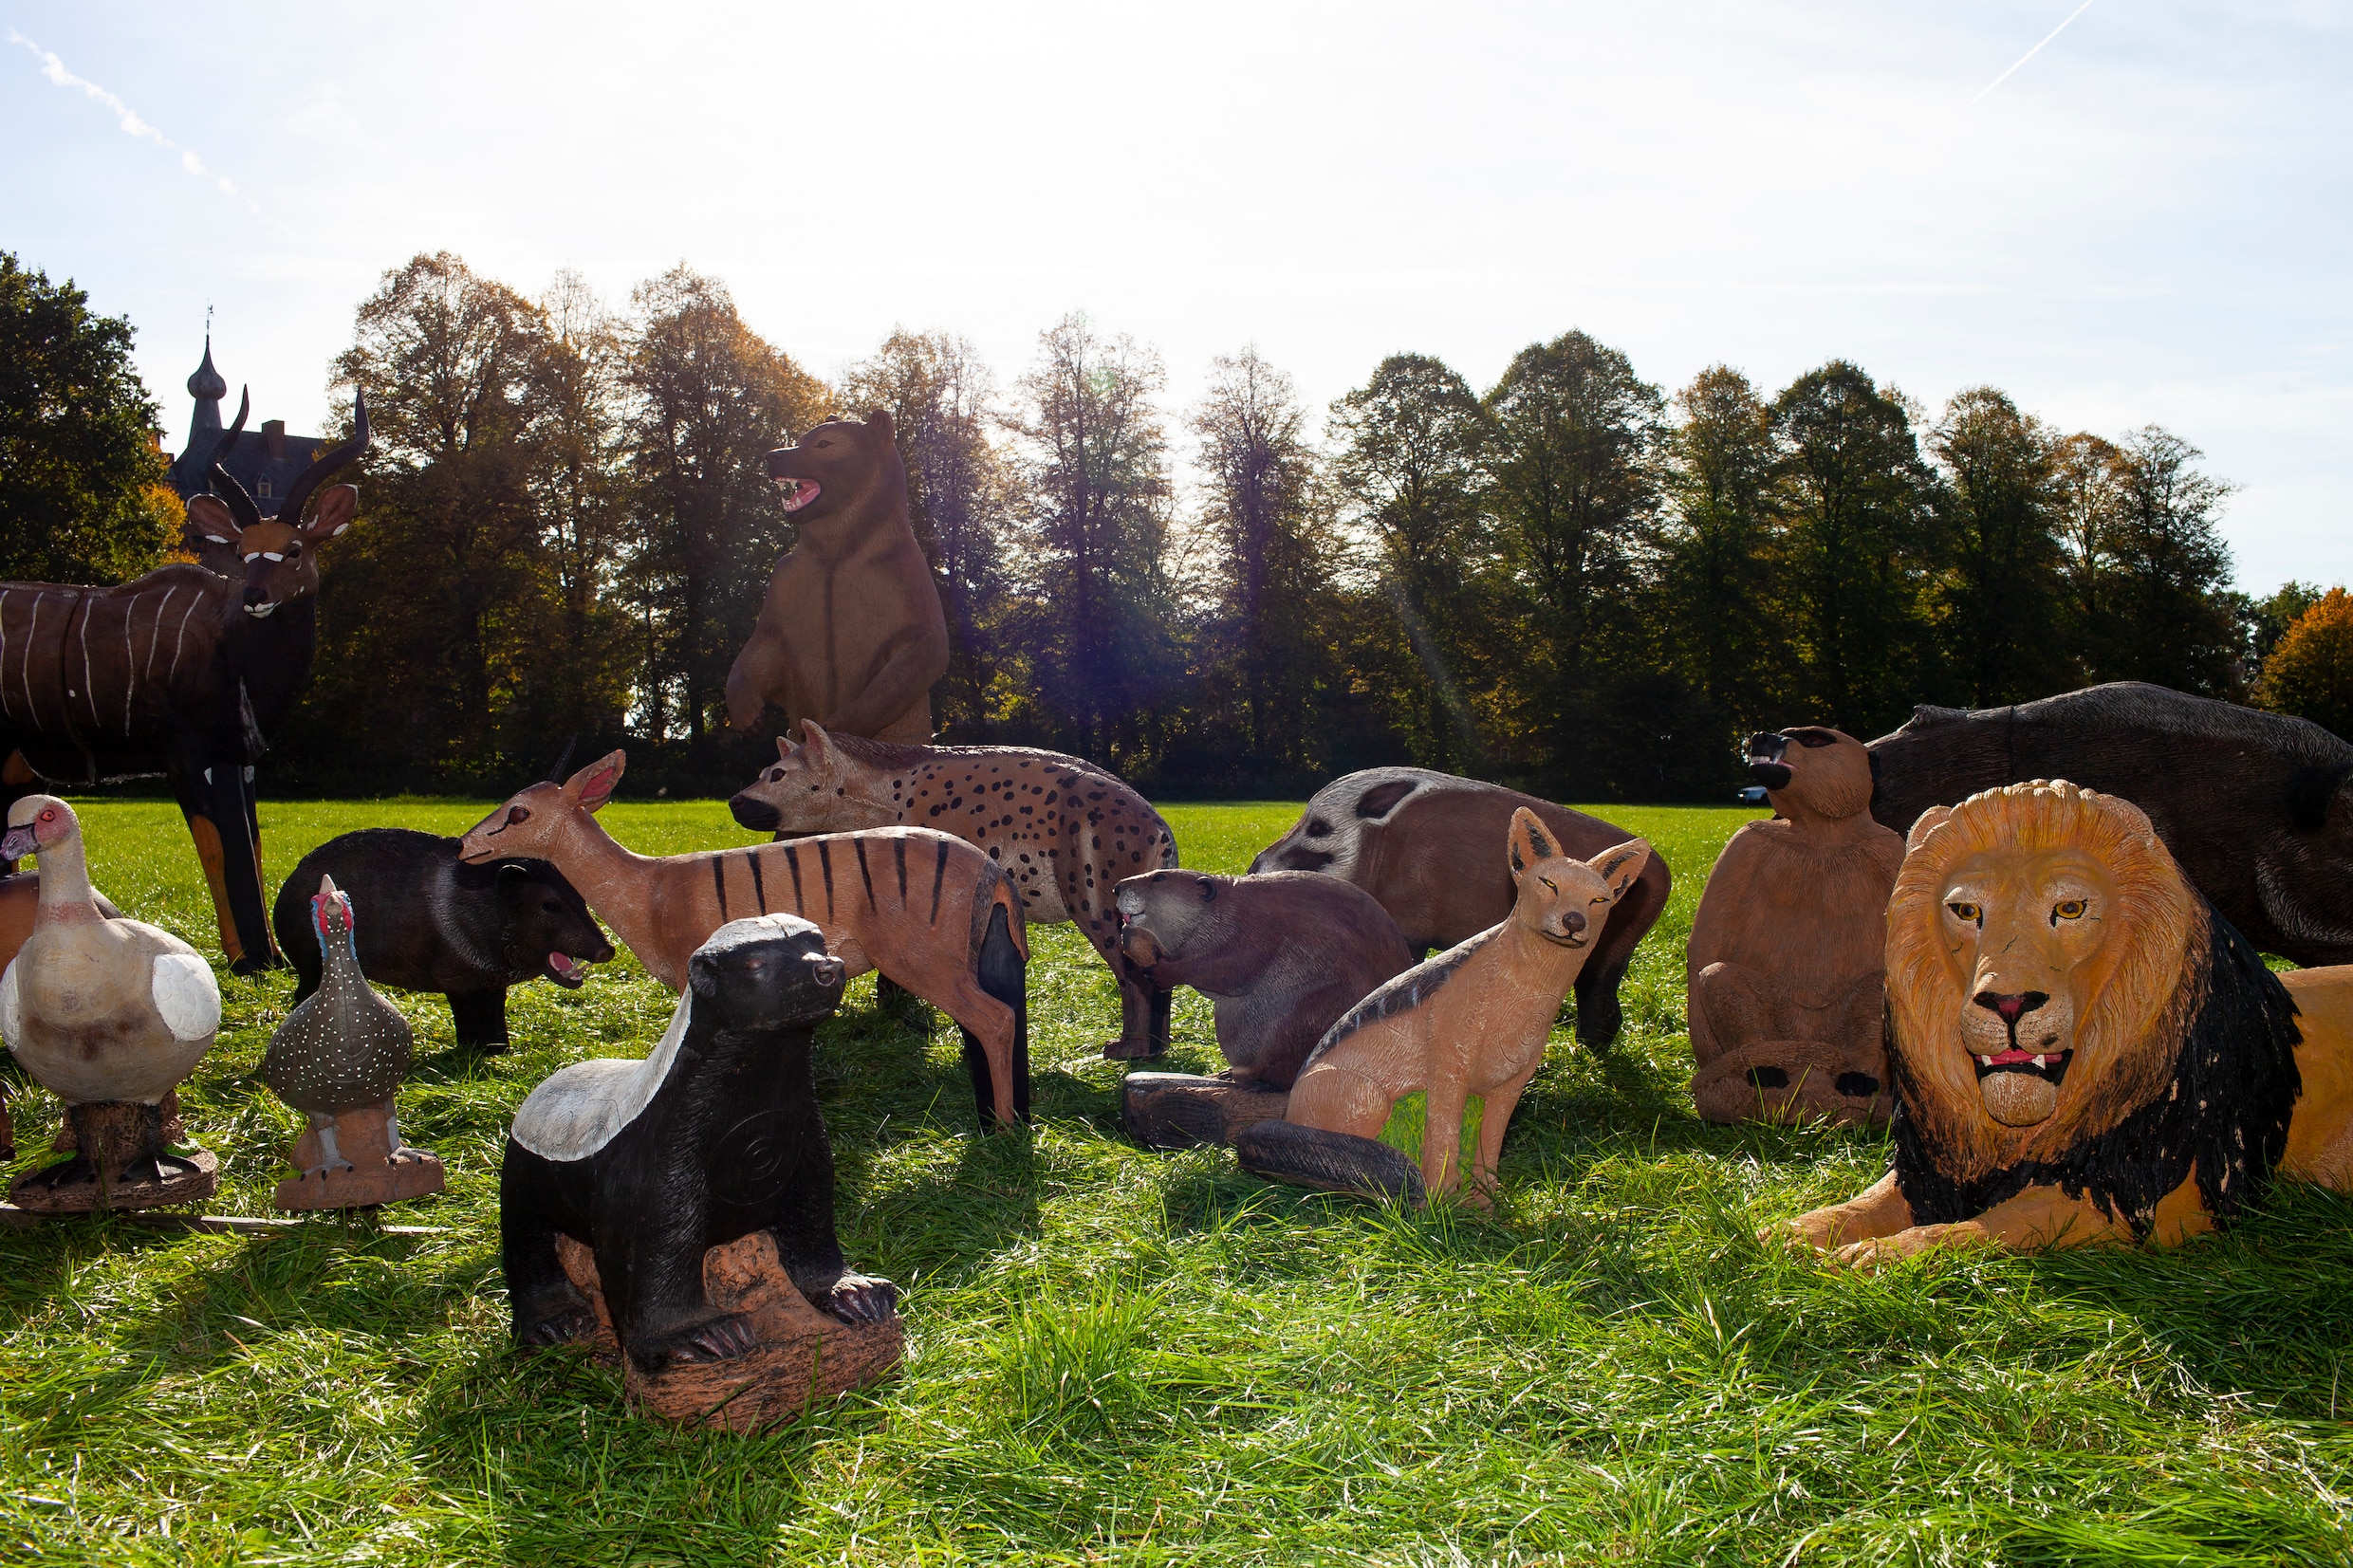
(1547, 882)
(2067, 909)
(1968, 911)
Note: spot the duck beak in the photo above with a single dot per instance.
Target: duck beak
(18, 844)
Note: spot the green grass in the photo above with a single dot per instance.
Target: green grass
(1121, 1357)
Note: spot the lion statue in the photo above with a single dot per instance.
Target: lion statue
(2082, 1050)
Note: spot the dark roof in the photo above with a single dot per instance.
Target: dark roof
(264, 461)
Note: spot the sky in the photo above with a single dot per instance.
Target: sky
(2144, 221)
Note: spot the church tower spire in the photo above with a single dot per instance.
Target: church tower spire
(208, 387)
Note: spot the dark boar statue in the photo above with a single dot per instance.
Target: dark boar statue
(432, 923)
(1423, 844)
(1281, 955)
(2256, 807)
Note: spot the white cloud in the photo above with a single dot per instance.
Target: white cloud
(128, 118)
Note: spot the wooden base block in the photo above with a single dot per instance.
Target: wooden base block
(377, 1173)
(1183, 1111)
(1789, 1082)
(90, 1194)
(804, 1356)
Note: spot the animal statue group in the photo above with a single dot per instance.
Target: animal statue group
(679, 1210)
(1065, 831)
(926, 909)
(338, 1059)
(185, 670)
(110, 1015)
(1411, 838)
(1782, 970)
(851, 633)
(1472, 1021)
(2084, 1048)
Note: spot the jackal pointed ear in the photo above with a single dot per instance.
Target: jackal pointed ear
(818, 745)
(784, 748)
(592, 785)
(1618, 867)
(1531, 841)
(333, 513)
(1927, 823)
(211, 515)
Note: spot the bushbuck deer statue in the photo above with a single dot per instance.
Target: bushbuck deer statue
(184, 667)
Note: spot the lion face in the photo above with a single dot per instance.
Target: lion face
(2022, 934)
(2036, 940)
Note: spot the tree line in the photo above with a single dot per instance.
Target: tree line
(1572, 580)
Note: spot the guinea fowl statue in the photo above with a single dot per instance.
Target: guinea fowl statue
(109, 1015)
(338, 1059)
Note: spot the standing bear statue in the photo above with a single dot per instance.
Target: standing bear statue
(1783, 971)
(679, 1211)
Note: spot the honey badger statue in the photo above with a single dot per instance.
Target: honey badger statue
(653, 1164)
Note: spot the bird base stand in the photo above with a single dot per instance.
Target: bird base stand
(354, 1159)
(118, 1159)
(804, 1358)
(1180, 1111)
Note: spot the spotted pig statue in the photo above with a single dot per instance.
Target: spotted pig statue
(1066, 831)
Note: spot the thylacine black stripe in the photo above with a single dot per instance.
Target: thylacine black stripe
(719, 879)
(751, 858)
(866, 875)
(898, 853)
(1403, 993)
(824, 866)
(793, 860)
(939, 875)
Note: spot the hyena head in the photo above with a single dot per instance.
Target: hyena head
(1562, 899)
(813, 787)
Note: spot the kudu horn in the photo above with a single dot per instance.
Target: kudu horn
(240, 505)
(555, 774)
(290, 509)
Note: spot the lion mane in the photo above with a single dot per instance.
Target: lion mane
(2185, 1048)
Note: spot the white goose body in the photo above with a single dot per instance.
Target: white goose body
(99, 1009)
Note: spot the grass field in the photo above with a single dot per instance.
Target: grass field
(1121, 1357)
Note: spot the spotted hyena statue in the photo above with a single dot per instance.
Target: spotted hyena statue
(1066, 831)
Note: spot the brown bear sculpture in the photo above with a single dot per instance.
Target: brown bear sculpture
(851, 633)
(1280, 956)
(1422, 843)
(1783, 971)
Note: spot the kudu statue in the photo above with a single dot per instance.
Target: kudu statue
(185, 667)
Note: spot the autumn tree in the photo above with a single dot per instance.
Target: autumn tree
(1856, 500)
(1270, 560)
(711, 397)
(2310, 672)
(1094, 463)
(941, 399)
(1720, 556)
(2002, 595)
(1406, 465)
(82, 491)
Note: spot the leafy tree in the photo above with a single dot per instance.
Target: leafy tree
(1264, 515)
(1573, 433)
(1720, 569)
(81, 493)
(2003, 592)
(959, 492)
(1858, 504)
(1407, 467)
(2269, 618)
(1102, 632)
(2171, 616)
(712, 398)
(2310, 672)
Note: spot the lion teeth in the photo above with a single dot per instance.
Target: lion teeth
(1984, 1061)
(2042, 1061)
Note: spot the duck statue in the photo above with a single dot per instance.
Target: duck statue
(110, 1015)
(338, 1059)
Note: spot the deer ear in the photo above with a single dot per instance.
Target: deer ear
(211, 515)
(1926, 823)
(1529, 842)
(1618, 867)
(592, 785)
(333, 513)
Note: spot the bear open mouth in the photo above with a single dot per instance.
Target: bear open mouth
(565, 972)
(800, 492)
(2049, 1066)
